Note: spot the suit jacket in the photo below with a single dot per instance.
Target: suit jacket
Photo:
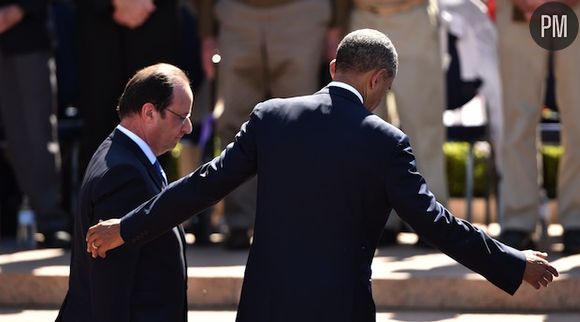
(329, 172)
(146, 283)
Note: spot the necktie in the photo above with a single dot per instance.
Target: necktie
(160, 172)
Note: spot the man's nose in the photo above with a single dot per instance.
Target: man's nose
(187, 126)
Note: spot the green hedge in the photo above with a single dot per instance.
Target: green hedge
(456, 157)
(551, 157)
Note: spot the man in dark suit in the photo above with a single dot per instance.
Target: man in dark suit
(149, 282)
(329, 172)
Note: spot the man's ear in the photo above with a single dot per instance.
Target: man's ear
(376, 77)
(332, 68)
(148, 112)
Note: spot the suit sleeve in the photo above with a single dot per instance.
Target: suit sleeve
(120, 190)
(408, 193)
(204, 187)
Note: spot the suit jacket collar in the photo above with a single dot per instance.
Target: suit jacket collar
(140, 142)
(342, 92)
(348, 87)
(125, 141)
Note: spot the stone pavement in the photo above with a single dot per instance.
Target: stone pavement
(404, 278)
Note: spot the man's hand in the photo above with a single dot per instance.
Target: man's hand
(10, 15)
(539, 272)
(132, 13)
(104, 236)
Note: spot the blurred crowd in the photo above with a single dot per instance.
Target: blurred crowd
(63, 65)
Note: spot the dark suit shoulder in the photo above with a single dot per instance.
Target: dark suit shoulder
(383, 132)
(113, 167)
(377, 124)
(117, 178)
(281, 105)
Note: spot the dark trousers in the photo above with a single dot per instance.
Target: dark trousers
(27, 109)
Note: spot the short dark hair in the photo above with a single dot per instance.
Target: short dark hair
(367, 49)
(153, 84)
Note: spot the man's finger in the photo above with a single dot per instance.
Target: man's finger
(91, 238)
(90, 241)
(92, 230)
(89, 233)
(552, 270)
(102, 252)
(92, 248)
(542, 255)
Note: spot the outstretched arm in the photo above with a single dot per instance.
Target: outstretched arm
(502, 265)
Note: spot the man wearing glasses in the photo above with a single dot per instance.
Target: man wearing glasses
(135, 283)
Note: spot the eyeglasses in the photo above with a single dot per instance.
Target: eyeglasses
(181, 117)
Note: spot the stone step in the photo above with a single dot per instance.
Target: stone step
(404, 277)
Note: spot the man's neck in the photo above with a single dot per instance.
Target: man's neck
(137, 128)
(134, 127)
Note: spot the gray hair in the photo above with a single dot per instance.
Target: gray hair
(366, 49)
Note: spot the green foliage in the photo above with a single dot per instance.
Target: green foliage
(456, 158)
(551, 155)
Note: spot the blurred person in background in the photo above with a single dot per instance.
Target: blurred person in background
(524, 69)
(268, 48)
(27, 107)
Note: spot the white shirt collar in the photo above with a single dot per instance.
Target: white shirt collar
(347, 87)
(144, 146)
